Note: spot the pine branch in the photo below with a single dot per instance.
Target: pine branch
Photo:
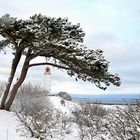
(46, 63)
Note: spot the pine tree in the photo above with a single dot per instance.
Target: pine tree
(60, 42)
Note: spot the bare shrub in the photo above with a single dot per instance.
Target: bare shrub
(43, 121)
(90, 120)
(93, 109)
(36, 119)
(64, 124)
(2, 86)
(29, 90)
(26, 94)
(125, 123)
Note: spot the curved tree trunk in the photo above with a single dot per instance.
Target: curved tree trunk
(11, 77)
(16, 86)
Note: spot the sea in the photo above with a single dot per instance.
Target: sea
(111, 99)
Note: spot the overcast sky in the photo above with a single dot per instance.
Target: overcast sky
(110, 25)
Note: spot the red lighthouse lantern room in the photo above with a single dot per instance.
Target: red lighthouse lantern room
(47, 70)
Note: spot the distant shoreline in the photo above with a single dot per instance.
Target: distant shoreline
(108, 99)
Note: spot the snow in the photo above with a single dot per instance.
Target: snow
(74, 134)
(67, 108)
(9, 127)
(9, 124)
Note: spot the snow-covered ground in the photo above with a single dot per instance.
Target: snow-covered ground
(9, 127)
(68, 107)
(9, 124)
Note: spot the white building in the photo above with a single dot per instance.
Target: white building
(47, 80)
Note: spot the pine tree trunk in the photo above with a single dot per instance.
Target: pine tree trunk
(10, 79)
(16, 86)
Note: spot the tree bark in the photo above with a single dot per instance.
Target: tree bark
(11, 77)
(16, 86)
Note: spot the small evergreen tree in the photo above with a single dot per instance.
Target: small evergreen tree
(60, 42)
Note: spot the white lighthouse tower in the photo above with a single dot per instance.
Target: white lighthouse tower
(47, 80)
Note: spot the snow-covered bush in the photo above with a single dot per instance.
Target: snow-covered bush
(90, 120)
(43, 121)
(37, 120)
(93, 109)
(124, 123)
(65, 96)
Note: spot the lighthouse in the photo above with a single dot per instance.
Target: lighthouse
(47, 79)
